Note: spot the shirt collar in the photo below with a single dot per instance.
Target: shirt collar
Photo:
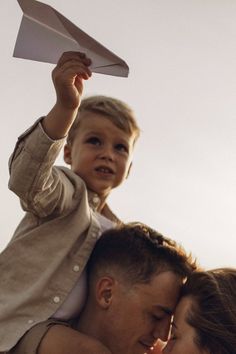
(94, 202)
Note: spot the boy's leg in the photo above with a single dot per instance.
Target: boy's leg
(65, 340)
(57, 337)
(30, 341)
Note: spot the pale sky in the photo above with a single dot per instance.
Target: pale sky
(182, 87)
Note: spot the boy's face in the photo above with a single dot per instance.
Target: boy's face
(100, 153)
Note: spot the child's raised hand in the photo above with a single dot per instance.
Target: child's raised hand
(72, 68)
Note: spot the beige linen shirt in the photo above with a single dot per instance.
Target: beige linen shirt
(52, 243)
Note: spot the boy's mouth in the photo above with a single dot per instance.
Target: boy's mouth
(104, 169)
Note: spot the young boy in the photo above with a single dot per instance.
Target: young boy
(43, 268)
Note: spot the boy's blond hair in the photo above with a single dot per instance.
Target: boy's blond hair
(118, 112)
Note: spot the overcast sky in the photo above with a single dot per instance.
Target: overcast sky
(182, 87)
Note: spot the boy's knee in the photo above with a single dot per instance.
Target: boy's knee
(61, 339)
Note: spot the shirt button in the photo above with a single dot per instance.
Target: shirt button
(76, 268)
(56, 299)
(30, 321)
(96, 199)
(94, 235)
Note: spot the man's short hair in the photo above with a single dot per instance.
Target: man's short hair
(117, 111)
(138, 252)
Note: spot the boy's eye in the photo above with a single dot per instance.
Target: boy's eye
(121, 148)
(93, 140)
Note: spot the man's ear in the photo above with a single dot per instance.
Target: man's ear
(104, 291)
(127, 175)
(67, 154)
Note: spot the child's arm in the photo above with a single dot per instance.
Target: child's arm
(64, 340)
(41, 188)
(68, 76)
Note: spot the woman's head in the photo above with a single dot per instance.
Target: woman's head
(205, 318)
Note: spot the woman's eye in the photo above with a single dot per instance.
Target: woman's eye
(121, 148)
(94, 141)
(173, 336)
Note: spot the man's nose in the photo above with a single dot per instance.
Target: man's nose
(161, 331)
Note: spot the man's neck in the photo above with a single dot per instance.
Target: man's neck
(87, 323)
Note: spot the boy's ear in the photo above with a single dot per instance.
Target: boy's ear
(67, 154)
(128, 172)
(105, 291)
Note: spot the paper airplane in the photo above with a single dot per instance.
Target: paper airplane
(45, 34)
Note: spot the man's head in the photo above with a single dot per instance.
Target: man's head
(100, 143)
(135, 276)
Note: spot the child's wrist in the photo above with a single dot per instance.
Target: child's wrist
(64, 110)
(58, 121)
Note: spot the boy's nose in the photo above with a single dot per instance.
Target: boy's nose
(107, 154)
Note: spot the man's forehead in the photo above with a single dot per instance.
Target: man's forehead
(162, 292)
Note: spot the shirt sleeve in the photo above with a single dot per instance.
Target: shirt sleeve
(40, 186)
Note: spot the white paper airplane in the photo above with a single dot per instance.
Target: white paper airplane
(45, 34)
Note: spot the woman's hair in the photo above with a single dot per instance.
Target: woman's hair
(213, 310)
